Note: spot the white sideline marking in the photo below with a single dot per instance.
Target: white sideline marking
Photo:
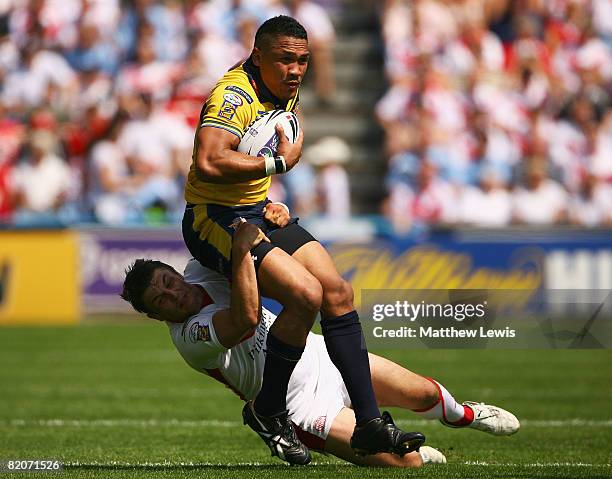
(534, 464)
(529, 423)
(119, 423)
(160, 464)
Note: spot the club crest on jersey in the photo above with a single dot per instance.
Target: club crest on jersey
(199, 332)
(241, 92)
(227, 110)
(233, 99)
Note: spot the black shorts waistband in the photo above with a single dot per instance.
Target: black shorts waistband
(234, 207)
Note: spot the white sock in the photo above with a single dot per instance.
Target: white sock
(447, 408)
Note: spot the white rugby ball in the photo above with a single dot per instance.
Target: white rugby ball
(261, 139)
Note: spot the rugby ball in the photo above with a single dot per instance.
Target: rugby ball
(261, 139)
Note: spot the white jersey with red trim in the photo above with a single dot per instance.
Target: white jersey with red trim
(314, 380)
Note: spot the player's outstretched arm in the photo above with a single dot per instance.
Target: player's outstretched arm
(231, 325)
(217, 160)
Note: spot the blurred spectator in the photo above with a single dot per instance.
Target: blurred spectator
(591, 205)
(41, 183)
(110, 181)
(333, 195)
(156, 138)
(321, 39)
(431, 200)
(600, 161)
(222, 18)
(217, 55)
(148, 74)
(42, 77)
(92, 53)
(602, 19)
(540, 200)
(122, 188)
(487, 205)
(298, 189)
(474, 49)
(163, 22)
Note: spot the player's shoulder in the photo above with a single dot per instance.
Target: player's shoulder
(196, 341)
(194, 329)
(214, 284)
(236, 87)
(197, 331)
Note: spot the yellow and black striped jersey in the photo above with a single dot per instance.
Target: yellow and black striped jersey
(236, 101)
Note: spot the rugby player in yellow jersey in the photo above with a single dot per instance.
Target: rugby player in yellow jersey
(292, 267)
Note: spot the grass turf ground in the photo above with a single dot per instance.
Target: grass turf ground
(114, 399)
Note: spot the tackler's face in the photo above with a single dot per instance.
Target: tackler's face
(170, 298)
(282, 62)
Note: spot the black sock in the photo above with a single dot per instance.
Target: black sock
(281, 359)
(347, 350)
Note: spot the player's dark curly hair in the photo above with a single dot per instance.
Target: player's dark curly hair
(137, 279)
(280, 26)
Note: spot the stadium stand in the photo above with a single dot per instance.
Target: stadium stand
(483, 108)
(497, 112)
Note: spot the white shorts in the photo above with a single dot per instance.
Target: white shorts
(316, 394)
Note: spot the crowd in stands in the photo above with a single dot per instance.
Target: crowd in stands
(498, 112)
(99, 100)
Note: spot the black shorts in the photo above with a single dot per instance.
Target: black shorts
(208, 234)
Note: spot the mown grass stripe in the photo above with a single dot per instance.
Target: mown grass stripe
(173, 422)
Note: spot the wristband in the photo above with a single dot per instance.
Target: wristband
(275, 166)
(270, 165)
(281, 166)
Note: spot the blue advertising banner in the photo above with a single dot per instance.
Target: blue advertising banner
(106, 253)
(471, 259)
(464, 259)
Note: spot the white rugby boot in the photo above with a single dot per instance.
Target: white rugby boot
(493, 419)
(429, 455)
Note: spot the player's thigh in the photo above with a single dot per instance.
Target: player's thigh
(208, 233)
(208, 241)
(284, 279)
(396, 386)
(337, 293)
(338, 444)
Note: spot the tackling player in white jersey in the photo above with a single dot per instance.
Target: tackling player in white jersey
(222, 333)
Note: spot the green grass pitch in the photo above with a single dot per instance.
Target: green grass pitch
(114, 400)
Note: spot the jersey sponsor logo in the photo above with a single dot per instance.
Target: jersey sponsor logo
(258, 343)
(199, 332)
(241, 92)
(227, 110)
(233, 99)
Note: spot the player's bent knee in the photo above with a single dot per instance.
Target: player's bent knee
(428, 396)
(338, 296)
(431, 395)
(307, 297)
